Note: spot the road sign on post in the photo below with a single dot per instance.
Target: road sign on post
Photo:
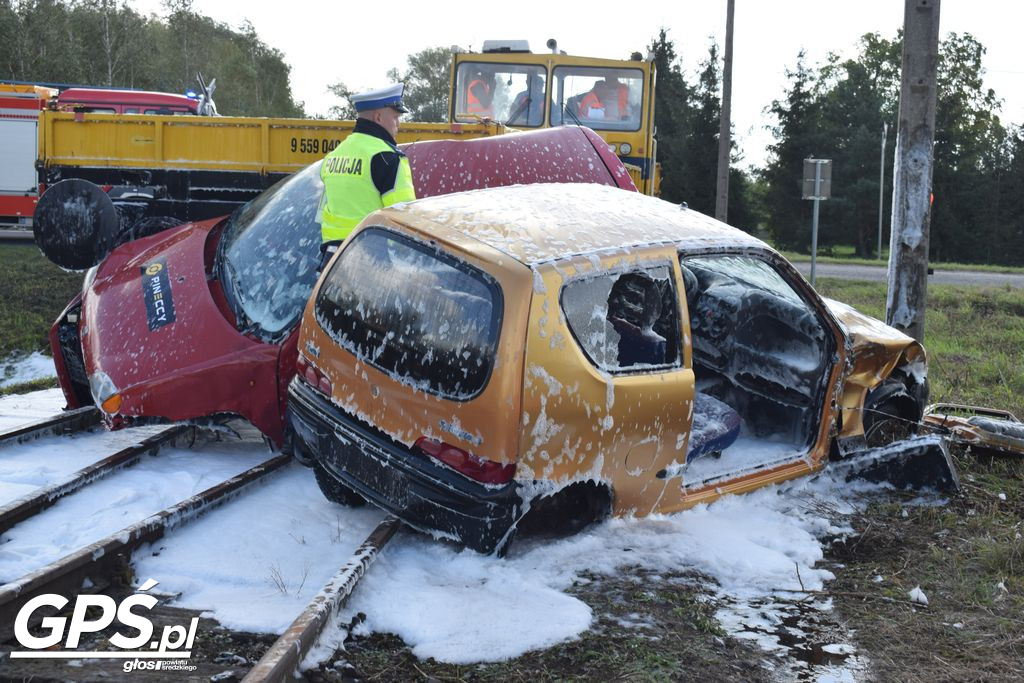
(817, 186)
(824, 190)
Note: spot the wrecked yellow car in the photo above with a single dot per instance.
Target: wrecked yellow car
(547, 355)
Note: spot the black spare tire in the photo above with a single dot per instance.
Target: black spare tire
(75, 224)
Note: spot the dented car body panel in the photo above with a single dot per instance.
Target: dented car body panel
(986, 430)
(645, 352)
(876, 351)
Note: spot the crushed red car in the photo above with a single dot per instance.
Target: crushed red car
(198, 322)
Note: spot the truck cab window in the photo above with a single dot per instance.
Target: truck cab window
(513, 94)
(600, 98)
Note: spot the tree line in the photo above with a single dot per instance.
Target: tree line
(838, 110)
(106, 43)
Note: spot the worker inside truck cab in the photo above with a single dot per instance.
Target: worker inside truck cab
(480, 95)
(619, 92)
(528, 106)
(601, 103)
(366, 171)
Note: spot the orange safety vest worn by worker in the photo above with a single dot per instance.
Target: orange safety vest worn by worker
(623, 93)
(591, 102)
(474, 104)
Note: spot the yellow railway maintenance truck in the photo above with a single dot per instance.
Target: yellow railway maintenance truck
(187, 168)
(192, 168)
(508, 83)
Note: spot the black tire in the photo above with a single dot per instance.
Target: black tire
(890, 414)
(335, 491)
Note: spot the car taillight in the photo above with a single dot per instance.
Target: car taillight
(472, 466)
(312, 376)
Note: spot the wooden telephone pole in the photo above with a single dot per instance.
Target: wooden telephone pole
(912, 181)
(725, 124)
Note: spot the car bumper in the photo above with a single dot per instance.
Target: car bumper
(423, 494)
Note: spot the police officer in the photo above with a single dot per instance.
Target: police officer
(366, 171)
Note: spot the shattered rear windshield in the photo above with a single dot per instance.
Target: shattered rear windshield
(413, 311)
(269, 254)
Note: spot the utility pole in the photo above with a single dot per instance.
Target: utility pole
(912, 180)
(725, 124)
(881, 188)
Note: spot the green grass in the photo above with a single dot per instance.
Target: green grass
(33, 292)
(843, 254)
(968, 557)
(974, 338)
(31, 385)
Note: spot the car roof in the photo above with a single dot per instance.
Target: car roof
(549, 221)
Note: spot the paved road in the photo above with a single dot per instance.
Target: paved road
(15, 235)
(940, 277)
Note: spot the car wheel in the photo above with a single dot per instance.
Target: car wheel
(335, 491)
(888, 415)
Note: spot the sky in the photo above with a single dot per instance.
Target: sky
(327, 42)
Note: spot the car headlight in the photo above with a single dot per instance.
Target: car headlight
(90, 276)
(104, 392)
(625, 148)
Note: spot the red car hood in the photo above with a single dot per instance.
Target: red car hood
(151, 323)
(567, 154)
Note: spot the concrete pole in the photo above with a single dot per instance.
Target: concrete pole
(912, 179)
(725, 124)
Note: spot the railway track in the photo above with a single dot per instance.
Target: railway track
(104, 564)
(21, 509)
(282, 660)
(97, 562)
(68, 422)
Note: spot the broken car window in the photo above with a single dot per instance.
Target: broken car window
(270, 252)
(626, 320)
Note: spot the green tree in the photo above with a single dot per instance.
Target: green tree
(798, 136)
(969, 151)
(698, 144)
(112, 35)
(671, 98)
(838, 112)
(856, 97)
(344, 111)
(427, 82)
(687, 119)
(1009, 239)
(102, 42)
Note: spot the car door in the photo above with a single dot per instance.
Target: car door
(608, 386)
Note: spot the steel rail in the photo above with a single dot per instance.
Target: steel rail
(21, 509)
(287, 652)
(67, 422)
(103, 559)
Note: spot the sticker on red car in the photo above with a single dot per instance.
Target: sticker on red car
(156, 291)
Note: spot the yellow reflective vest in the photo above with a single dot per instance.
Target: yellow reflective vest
(350, 191)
